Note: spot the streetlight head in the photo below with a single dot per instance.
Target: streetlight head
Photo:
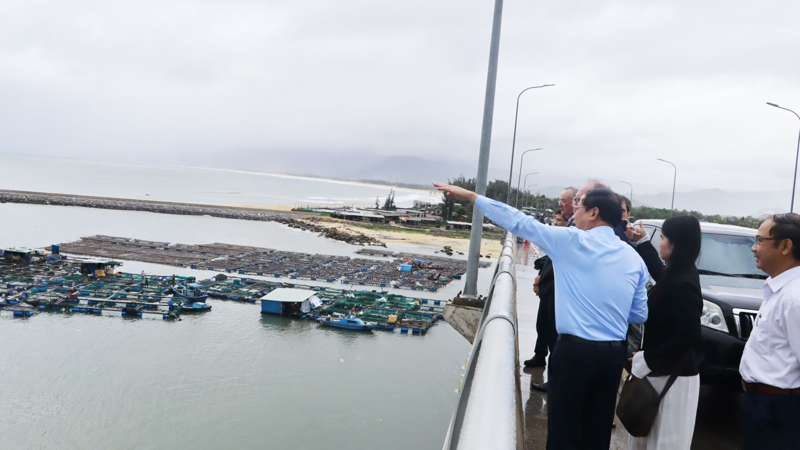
(548, 85)
(773, 104)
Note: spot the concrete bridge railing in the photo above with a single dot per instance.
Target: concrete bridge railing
(489, 411)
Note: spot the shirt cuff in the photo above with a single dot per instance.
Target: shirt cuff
(639, 367)
(644, 239)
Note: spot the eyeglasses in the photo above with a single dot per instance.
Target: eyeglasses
(576, 200)
(761, 239)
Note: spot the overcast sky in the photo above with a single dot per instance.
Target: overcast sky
(684, 81)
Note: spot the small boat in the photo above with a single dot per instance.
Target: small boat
(191, 292)
(194, 307)
(348, 323)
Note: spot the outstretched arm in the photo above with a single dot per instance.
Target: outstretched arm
(550, 239)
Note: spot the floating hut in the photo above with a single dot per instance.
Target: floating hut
(20, 255)
(99, 268)
(286, 301)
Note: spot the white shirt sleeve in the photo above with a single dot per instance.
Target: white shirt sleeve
(639, 311)
(640, 369)
(553, 240)
(792, 321)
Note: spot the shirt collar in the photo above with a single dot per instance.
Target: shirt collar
(777, 283)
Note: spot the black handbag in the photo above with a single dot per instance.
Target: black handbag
(639, 401)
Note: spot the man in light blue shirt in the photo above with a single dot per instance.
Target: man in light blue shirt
(600, 290)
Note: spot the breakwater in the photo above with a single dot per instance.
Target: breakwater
(225, 212)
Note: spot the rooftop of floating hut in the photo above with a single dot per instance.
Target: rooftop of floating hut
(284, 300)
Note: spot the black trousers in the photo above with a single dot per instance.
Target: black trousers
(546, 333)
(771, 421)
(583, 380)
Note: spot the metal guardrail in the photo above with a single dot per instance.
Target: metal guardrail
(489, 411)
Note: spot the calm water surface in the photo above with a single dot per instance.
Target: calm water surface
(227, 379)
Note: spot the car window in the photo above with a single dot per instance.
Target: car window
(728, 254)
(655, 239)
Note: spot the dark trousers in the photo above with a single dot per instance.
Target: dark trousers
(546, 333)
(583, 380)
(771, 421)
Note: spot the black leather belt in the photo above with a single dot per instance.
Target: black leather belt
(571, 338)
(765, 389)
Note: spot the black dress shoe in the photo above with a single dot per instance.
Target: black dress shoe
(536, 361)
(539, 387)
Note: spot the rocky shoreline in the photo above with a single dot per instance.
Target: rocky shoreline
(354, 238)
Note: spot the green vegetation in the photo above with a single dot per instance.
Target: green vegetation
(388, 204)
(496, 190)
(646, 212)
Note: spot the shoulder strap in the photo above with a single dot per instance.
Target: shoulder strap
(675, 372)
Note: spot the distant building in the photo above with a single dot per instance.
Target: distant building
(358, 216)
(429, 208)
(468, 226)
(420, 221)
(101, 268)
(20, 255)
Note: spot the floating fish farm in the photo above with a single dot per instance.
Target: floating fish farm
(57, 283)
(402, 271)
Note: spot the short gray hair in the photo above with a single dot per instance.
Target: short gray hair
(597, 184)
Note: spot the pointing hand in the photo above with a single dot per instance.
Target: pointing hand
(456, 192)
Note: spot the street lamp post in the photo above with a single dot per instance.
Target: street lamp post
(514, 139)
(473, 258)
(794, 180)
(524, 184)
(631, 199)
(521, 159)
(674, 178)
(529, 186)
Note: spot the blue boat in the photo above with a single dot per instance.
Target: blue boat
(194, 307)
(191, 292)
(347, 323)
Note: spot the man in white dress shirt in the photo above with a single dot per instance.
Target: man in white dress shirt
(770, 366)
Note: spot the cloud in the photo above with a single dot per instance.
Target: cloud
(634, 81)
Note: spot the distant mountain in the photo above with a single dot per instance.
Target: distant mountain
(718, 201)
(411, 169)
(417, 170)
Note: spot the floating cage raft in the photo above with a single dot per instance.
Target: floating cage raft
(58, 285)
(423, 273)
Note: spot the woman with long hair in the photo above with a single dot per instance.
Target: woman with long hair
(672, 332)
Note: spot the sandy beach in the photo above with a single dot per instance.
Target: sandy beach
(491, 247)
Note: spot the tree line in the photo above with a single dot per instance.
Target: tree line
(497, 189)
